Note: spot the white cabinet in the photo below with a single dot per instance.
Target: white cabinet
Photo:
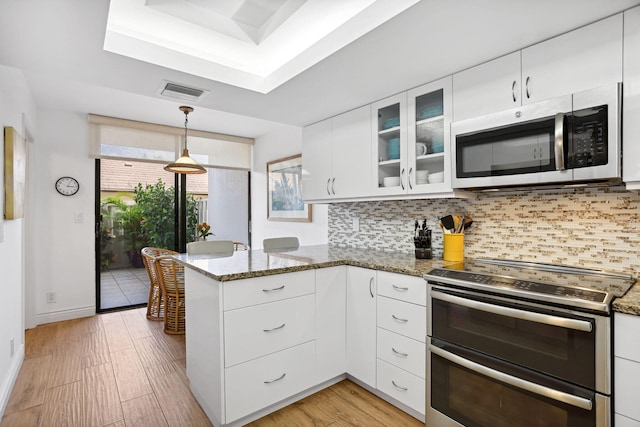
(361, 324)
(331, 322)
(631, 99)
(335, 157)
(487, 88)
(402, 386)
(627, 369)
(411, 141)
(582, 59)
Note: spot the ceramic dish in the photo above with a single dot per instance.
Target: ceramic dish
(436, 177)
(391, 181)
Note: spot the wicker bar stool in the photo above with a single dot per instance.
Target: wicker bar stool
(155, 305)
(171, 277)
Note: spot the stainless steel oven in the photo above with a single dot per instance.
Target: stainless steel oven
(508, 348)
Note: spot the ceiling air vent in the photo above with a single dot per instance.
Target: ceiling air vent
(178, 91)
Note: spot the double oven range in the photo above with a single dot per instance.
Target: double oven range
(520, 344)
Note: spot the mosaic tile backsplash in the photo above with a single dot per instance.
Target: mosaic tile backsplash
(594, 227)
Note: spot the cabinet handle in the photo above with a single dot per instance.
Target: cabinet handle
(370, 288)
(409, 178)
(398, 387)
(513, 91)
(328, 182)
(274, 329)
(399, 353)
(526, 84)
(396, 318)
(273, 289)
(402, 178)
(333, 190)
(281, 377)
(399, 288)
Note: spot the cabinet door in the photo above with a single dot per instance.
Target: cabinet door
(487, 88)
(351, 147)
(631, 99)
(389, 152)
(582, 59)
(331, 322)
(429, 138)
(316, 161)
(361, 324)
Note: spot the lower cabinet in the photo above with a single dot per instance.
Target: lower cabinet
(361, 324)
(626, 370)
(401, 385)
(256, 384)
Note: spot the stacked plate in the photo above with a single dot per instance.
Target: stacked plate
(391, 181)
(422, 177)
(393, 149)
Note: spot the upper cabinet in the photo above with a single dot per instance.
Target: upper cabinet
(411, 134)
(631, 99)
(582, 59)
(336, 157)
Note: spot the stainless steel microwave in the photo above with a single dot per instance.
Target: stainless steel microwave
(574, 140)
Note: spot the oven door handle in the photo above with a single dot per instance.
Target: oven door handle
(547, 319)
(538, 389)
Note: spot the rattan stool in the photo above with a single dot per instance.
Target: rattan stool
(155, 305)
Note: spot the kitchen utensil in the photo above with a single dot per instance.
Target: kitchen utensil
(436, 177)
(415, 232)
(447, 223)
(467, 222)
(460, 226)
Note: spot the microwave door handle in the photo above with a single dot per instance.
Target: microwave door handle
(546, 319)
(559, 142)
(529, 386)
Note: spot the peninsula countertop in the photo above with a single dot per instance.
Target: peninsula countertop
(257, 263)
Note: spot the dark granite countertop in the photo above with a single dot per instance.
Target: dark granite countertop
(257, 263)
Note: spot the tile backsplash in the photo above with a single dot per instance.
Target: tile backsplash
(594, 227)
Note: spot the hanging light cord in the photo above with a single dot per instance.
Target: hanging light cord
(186, 120)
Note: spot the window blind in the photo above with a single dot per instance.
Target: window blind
(113, 138)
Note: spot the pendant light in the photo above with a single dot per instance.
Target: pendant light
(185, 164)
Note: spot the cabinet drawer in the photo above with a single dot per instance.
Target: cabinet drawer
(625, 332)
(255, 331)
(401, 385)
(403, 318)
(399, 286)
(259, 290)
(402, 352)
(627, 395)
(262, 382)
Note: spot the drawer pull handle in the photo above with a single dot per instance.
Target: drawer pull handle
(274, 329)
(281, 377)
(398, 387)
(399, 288)
(399, 353)
(399, 319)
(273, 289)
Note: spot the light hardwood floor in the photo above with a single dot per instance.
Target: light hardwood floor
(120, 369)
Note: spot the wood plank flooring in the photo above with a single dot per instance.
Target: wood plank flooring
(120, 369)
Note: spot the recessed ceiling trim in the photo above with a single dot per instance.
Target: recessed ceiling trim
(315, 30)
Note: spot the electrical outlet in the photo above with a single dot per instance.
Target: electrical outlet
(356, 224)
(51, 297)
(11, 346)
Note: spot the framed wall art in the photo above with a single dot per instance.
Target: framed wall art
(15, 169)
(284, 191)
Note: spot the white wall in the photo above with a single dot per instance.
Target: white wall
(63, 260)
(276, 145)
(17, 109)
(228, 205)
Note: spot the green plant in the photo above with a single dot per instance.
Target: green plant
(106, 255)
(156, 203)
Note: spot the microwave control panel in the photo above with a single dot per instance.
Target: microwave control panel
(588, 138)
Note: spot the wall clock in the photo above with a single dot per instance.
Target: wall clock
(67, 186)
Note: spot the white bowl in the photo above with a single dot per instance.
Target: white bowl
(391, 181)
(436, 177)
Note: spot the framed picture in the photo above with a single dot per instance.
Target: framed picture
(15, 168)
(284, 191)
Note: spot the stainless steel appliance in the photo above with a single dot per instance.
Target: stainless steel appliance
(519, 344)
(574, 139)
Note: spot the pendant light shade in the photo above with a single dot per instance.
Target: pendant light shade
(185, 164)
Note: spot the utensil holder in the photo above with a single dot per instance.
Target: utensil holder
(453, 247)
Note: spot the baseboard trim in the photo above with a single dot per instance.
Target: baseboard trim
(68, 314)
(11, 378)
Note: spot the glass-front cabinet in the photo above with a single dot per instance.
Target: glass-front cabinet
(411, 134)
